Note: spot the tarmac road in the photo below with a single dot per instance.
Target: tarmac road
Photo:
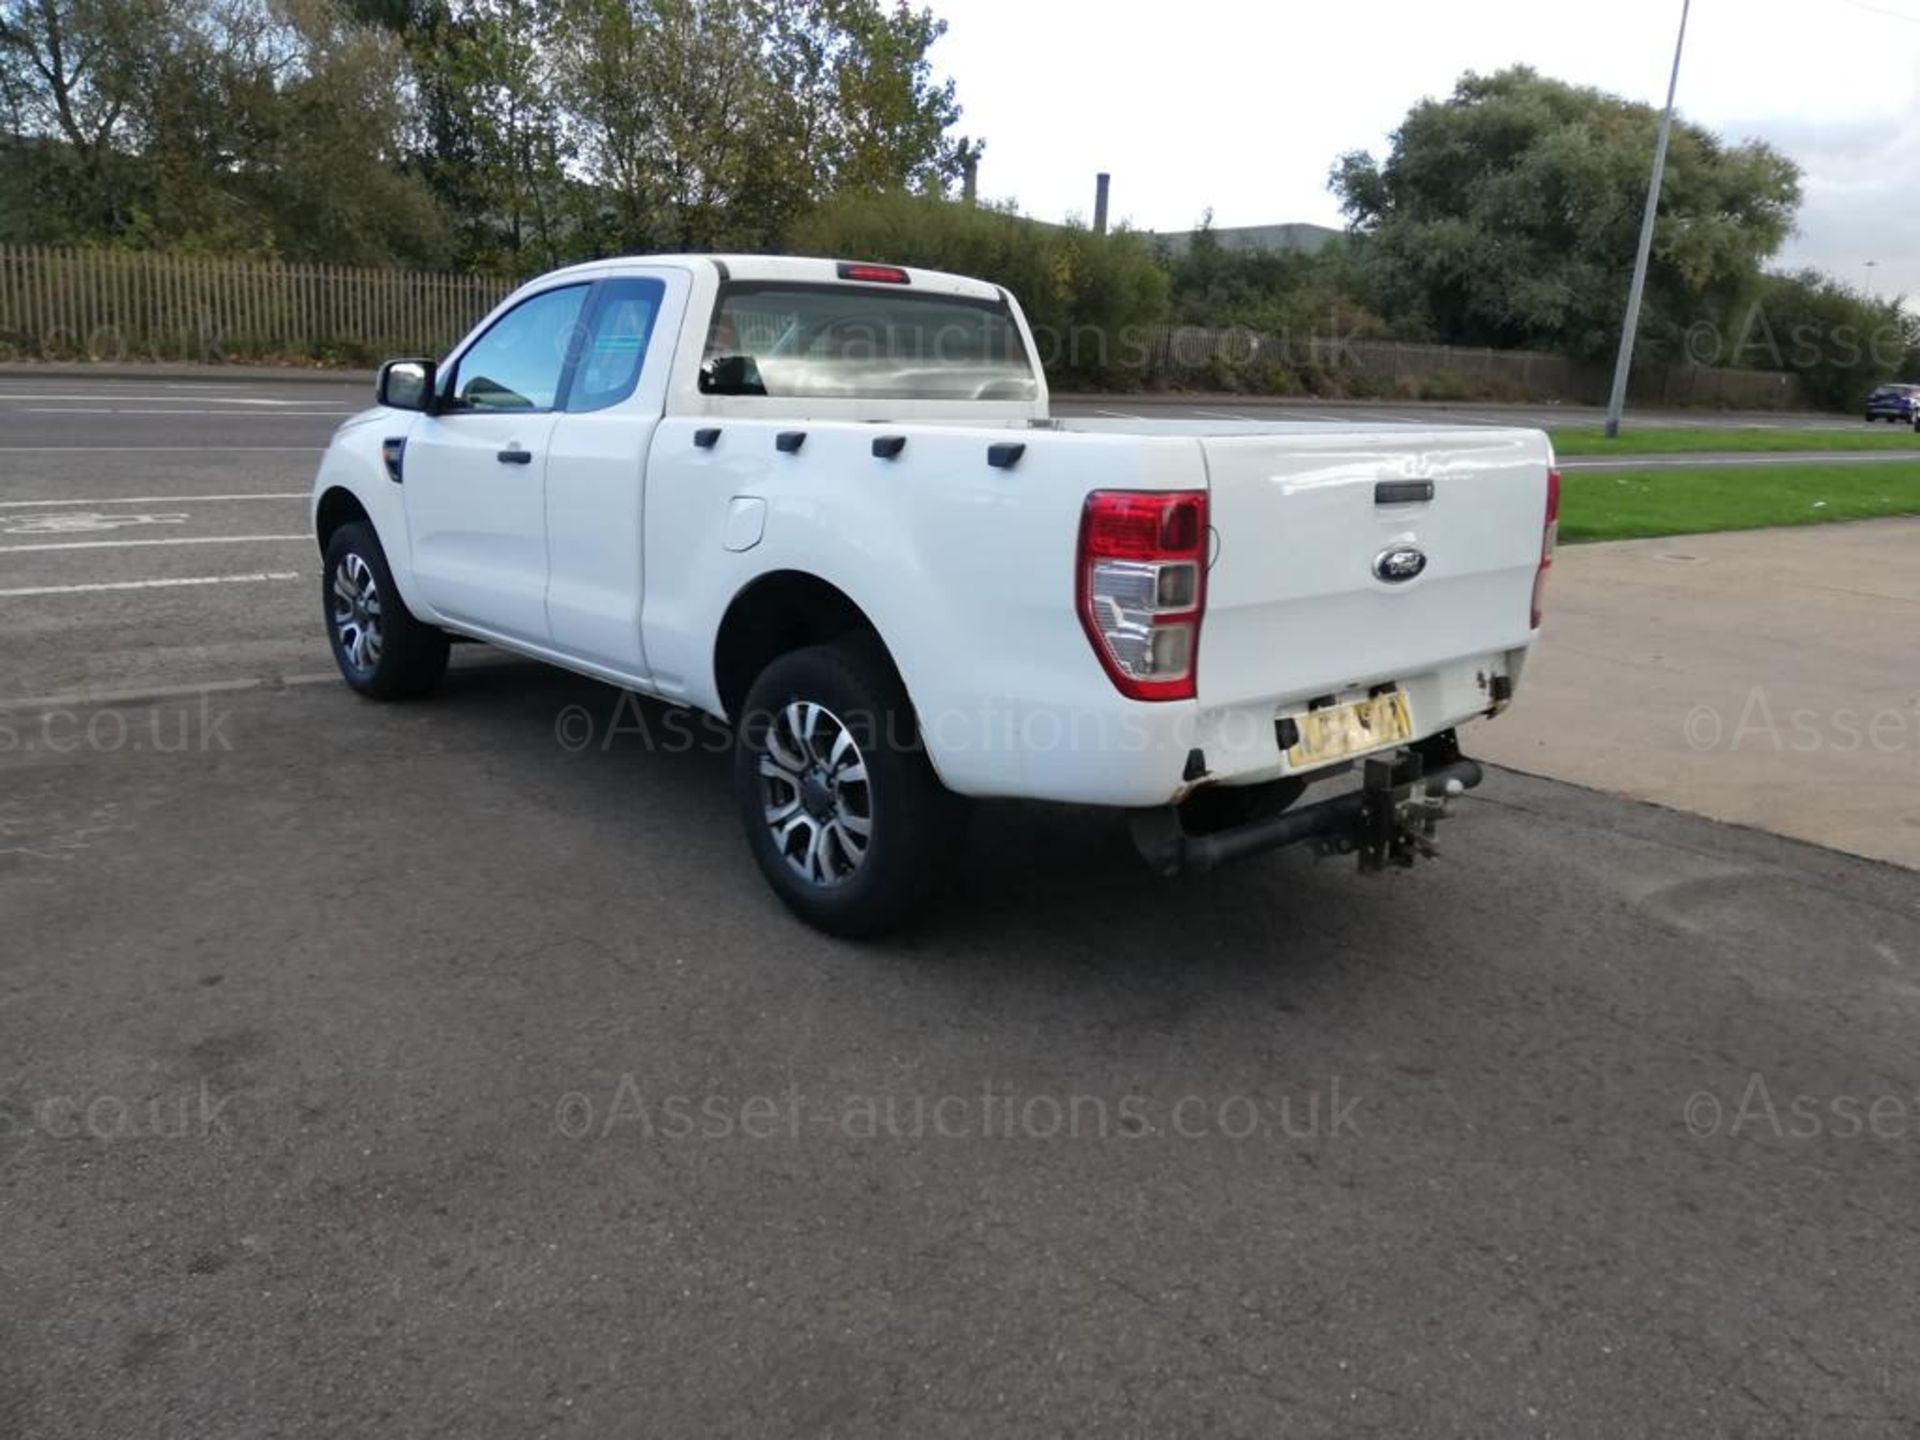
(445, 1069)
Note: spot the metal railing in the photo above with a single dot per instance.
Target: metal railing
(141, 305)
(110, 305)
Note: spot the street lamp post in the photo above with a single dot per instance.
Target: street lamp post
(1624, 366)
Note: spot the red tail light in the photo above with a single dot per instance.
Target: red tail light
(1549, 540)
(1141, 580)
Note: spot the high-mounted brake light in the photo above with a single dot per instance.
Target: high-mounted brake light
(874, 274)
(1549, 541)
(1141, 585)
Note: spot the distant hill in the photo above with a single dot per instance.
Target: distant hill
(1306, 238)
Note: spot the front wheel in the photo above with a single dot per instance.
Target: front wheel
(381, 649)
(843, 812)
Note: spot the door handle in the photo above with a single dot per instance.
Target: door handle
(514, 457)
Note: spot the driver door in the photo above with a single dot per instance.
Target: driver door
(475, 473)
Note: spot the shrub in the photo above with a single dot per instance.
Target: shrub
(1091, 299)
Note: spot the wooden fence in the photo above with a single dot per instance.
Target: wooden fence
(140, 305)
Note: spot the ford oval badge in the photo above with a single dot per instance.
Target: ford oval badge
(1398, 564)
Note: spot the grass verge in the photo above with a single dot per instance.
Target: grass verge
(1672, 440)
(1634, 504)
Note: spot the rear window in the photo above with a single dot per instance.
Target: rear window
(858, 342)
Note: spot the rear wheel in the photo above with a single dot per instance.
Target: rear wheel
(843, 813)
(381, 649)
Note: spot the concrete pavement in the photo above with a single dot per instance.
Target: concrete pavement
(1767, 677)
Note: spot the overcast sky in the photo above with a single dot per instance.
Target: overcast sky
(1242, 105)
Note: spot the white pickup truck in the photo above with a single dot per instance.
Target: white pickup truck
(825, 502)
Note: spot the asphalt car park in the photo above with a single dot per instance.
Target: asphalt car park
(443, 1068)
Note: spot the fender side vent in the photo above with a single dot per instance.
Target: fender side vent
(393, 454)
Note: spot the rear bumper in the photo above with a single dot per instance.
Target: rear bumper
(1388, 821)
(1128, 754)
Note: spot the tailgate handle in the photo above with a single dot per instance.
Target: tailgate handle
(1402, 492)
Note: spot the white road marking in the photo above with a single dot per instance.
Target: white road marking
(181, 540)
(79, 521)
(248, 414)
(157, 449)
(75, 699)
(1224, 415)
(1118, 415)
(45, 397)
(228, 414)
(158, 499)
(95, 587)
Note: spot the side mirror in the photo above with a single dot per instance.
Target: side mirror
(405, 385)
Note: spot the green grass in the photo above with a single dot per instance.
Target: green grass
(1672, 441)
(1633, 504)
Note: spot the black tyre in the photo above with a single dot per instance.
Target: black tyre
(843, 812)
(381, 649)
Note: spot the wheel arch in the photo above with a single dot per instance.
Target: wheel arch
(343, 498)
(337, 506)
(773, 614)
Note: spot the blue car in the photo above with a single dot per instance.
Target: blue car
(1898, 403)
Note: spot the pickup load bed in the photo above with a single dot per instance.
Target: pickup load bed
(825, 502)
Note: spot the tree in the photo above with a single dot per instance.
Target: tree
(671, 101)
(70, 80)
(1840, 342)
(854, 89)
(264, 127)
(1508, 215)
(486, 128)
(717, 123)
(1299, 294)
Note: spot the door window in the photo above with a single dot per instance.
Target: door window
(616, 343)
(518, 364)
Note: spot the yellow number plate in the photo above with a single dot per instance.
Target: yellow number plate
(1340, 731)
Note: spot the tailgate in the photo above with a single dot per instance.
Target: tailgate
(1297, 605)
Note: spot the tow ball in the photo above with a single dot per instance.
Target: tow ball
(1389, 822)
(1399, 811)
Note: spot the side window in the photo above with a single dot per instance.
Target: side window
(616, 343)
(519, 363)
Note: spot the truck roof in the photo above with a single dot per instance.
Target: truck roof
(795, 269)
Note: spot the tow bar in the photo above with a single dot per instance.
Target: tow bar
(1388, 822)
